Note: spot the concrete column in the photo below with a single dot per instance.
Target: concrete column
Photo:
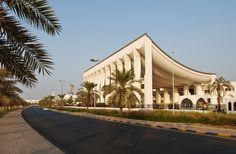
(137, 64)
(158, 97)
(213, 78)
(148, 98)
(107, 74)
(90, 78)
(166, 96)
(112, 68)
(94, 77)
(186, 90)
(99, 80)
(119, 64)
(198, 88)
(137, 70)
(176, 95)
(102, 82)
(107, 80)
(127, 62)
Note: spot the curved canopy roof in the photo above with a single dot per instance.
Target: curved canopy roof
(163, 65)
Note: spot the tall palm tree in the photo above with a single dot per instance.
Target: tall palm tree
(20, 51)
(220, 86)
(87, 94)
(121, 91)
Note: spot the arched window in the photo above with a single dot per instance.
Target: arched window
(234, 106)
(200, 103)
(230, 106)
(186, 104)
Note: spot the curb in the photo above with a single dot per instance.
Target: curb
(152, 124)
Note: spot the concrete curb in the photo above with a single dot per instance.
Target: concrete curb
(190, 128)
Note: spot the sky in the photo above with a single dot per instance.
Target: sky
(202, 35)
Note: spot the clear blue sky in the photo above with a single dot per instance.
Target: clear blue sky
(201, 33)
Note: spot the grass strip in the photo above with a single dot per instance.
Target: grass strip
(166, 116)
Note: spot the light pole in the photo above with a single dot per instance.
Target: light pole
(62, 82)
(94, 101)
(173, 85)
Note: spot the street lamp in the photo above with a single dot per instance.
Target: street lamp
(94, 60)
(62, 82)
(173, 85)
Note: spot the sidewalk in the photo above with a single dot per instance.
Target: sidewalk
(185, 127)
(17, 137)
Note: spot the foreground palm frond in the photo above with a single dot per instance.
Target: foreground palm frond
(20, 51)
(37, 13)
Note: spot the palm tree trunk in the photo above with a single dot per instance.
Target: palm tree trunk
(218, 100)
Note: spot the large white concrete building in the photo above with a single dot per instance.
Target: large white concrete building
(165, 80)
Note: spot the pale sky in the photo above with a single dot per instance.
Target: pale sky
(201, 33)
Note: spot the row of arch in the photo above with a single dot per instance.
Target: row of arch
(230, 107)
(188, 104)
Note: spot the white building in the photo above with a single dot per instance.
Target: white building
(32, 101)
(160, 72)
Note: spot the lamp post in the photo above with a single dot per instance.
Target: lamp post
(62, 82)
(94, 101)
(173, 85)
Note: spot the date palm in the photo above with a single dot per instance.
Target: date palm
(122, 92)
(87, 94)
(220, 86)
(20, 52)
(8, 90)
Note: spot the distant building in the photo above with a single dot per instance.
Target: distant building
(32, 101)
(70, 96)
(165, 79)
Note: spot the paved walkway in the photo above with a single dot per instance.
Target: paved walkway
(17, 137)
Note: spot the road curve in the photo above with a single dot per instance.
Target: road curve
(74, 134)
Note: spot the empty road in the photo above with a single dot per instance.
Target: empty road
(74, 134)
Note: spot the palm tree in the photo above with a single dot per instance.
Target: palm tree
(47, 101)
(61, 102)
(87, 95)
(121, 91)
(221, 86)
(8, 91)
(21, 53)
(61, 96)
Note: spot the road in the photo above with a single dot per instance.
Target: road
(74, 134)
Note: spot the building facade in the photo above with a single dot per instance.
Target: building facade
(165, 80)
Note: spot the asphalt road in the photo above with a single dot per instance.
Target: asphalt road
(74, 134)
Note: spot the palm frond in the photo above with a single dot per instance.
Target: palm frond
(25, 44)
(37, 13)
(15, 64)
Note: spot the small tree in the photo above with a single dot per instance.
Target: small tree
(220, 86)
(87, 95)
(47, 101)
(121, 90)
(61, 102)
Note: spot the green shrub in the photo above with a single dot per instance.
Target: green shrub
(165, 116)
